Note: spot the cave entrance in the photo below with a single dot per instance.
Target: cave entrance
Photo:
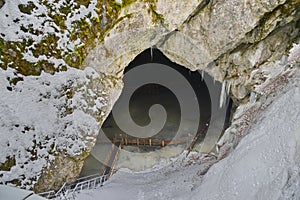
(181, 119)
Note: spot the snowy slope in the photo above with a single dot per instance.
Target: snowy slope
(266, 162)
(172, 182)
(265, 165)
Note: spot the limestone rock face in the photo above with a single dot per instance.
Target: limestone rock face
(65, 168)
(175, 13)
(62, 170)
(227, 39)
(136, 32)
(223, 27)
(240, 43)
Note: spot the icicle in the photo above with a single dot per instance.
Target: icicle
(151, 52)
(228, 87)
(223, 94)
(202, 74)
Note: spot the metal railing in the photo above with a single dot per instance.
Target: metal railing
(67, 191)
(89, 184)
(49, 194)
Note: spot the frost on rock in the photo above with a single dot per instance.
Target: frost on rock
(17, 17)
(294, 54)
(42, 116)
(51, 35)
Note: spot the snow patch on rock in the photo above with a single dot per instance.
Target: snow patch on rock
(39, 117)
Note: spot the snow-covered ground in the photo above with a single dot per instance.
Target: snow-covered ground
(265, 165)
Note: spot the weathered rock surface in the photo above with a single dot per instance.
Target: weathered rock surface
(226, 38)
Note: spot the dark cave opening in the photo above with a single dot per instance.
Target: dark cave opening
(143, 98)
(147, 95)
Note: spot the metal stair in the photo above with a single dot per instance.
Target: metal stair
(68, 191)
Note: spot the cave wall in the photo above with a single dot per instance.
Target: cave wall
(227, 39)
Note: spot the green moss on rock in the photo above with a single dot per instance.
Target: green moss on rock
(85, 3)
(48, 47)
(27, 8)
(8, 164)
(89, 30)
(11, 56)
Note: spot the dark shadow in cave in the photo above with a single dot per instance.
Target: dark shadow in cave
(146, 96)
